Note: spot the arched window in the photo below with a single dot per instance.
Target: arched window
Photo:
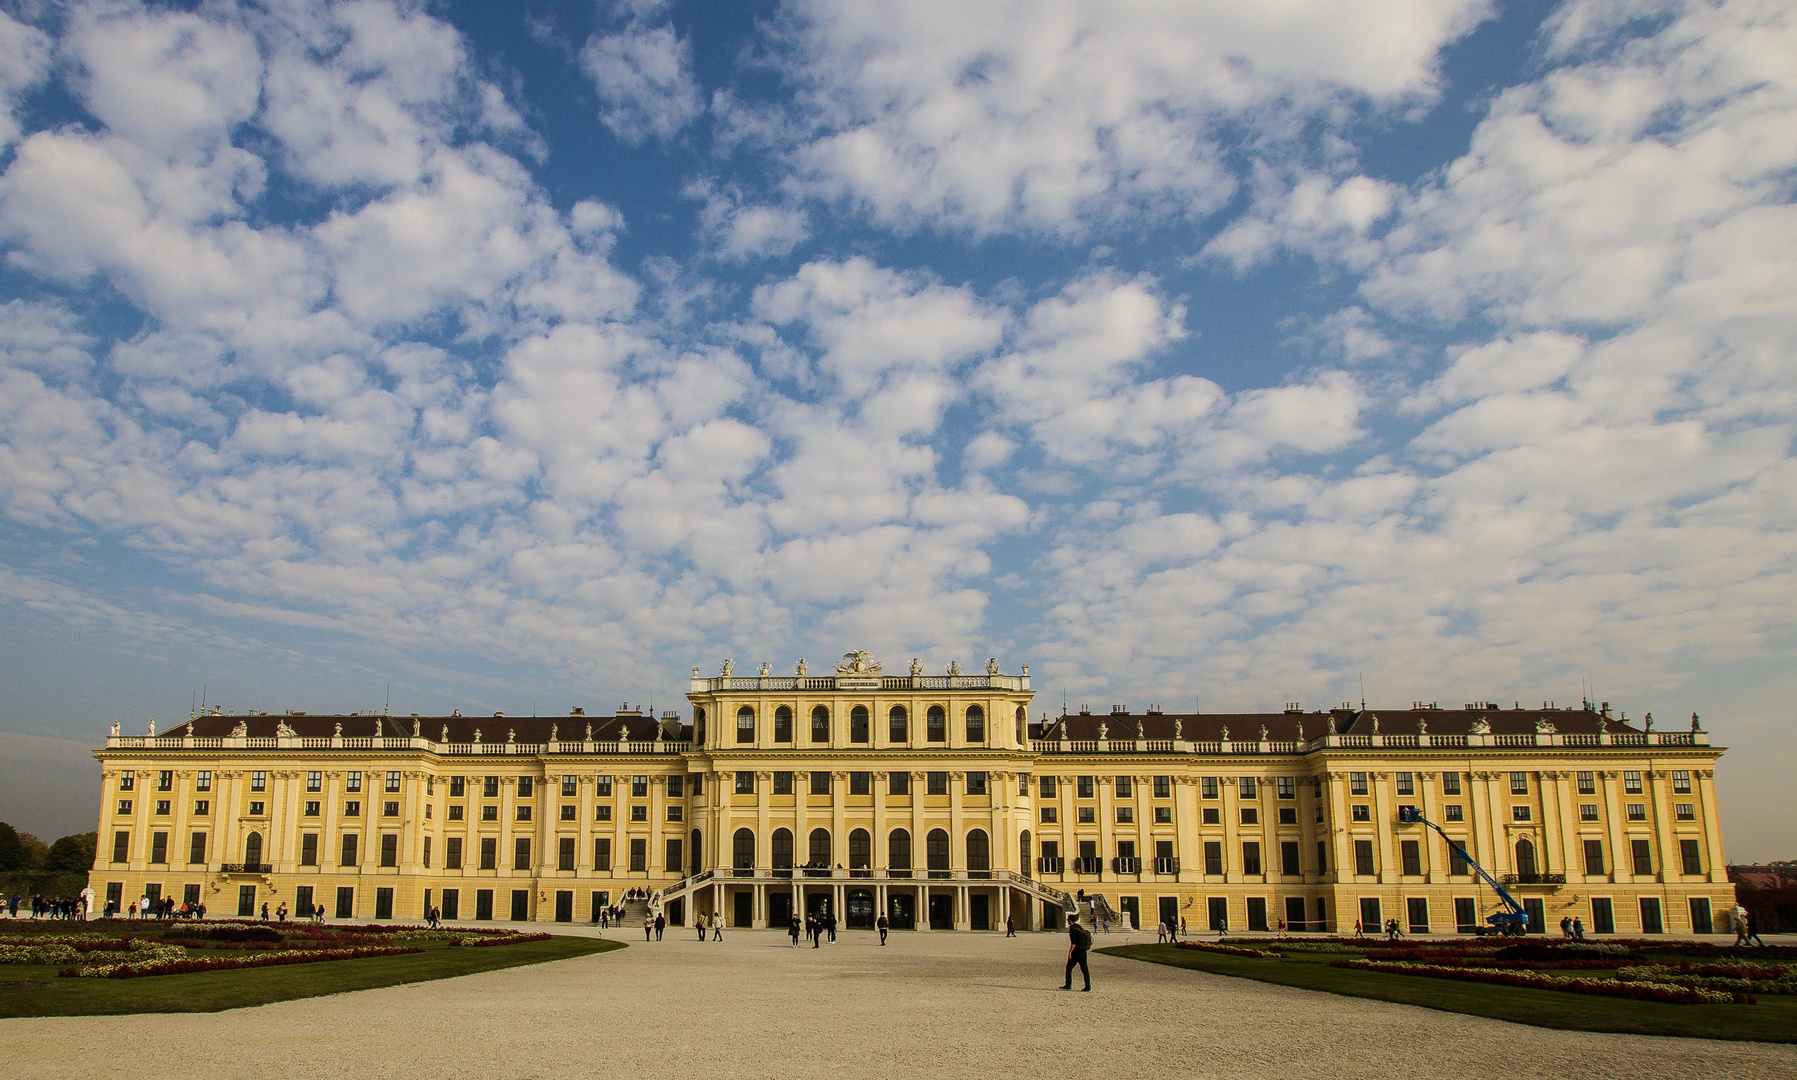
(742, 849)
(936, 852)
(1023, 853)
(976, 724)
(861, 853)
(898, 851)
(820, 847)
(1525, 858)
(858, 724)
(820, 725)
(1023, 724)
(697, 862)
(783, 724)
(699, 727)
(897, 730)
(745, 724)
(979, 852)
(782, 849)
(252, 849)
(936, 724)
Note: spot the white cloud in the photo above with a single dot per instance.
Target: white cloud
(24, 60)
(644, 76)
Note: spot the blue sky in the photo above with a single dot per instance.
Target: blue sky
(508, 357)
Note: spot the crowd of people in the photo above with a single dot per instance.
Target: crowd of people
(48, 907)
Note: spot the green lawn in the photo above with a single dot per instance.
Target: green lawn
(34, 990)
(1774, 1019)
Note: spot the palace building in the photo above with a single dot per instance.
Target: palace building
(931, 798)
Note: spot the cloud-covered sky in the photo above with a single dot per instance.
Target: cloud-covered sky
(1232, 354)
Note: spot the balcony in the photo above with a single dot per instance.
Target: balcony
(1056, 865)
(246, 868)
(1533, 879)
(1166, 866)
(1088, 866)
(1122, 865)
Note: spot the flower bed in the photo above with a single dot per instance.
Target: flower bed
(71, 950)
(509, 939)
(179, 965)
(1641, 990)
(1226, 950)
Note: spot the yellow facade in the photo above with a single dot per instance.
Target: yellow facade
(931, 799)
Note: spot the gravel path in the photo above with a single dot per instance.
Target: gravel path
(928, 1005)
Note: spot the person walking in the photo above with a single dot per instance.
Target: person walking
(717, 927)
(1079, 943)
(700, 923)
(1578, 928)
(830, 925)
(1739, 917)
(792, 930)
(1182, 926)
(1753, 930)
(1010, 926)
(882, 925)
(661, 923)
(648, 927)
(1160, 933)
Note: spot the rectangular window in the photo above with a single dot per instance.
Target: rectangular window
(1163, 815)
(1594, 858)
(523, 812)
(1083, 787)
(698, 780)
(489, 813)
(745, 725)
(389, 849)
(457, 787)
(521, 853)
(124, 807)
(489, 786)
(1457, 862)
(165, 780)
(1126, 815)
(308, 850)
(1125, 788)
(1637, 811)
(1088, 815)
(352, 781)
(1631, 782)
(159, 847)
(1411, 854)
(745, 782)
(1023, 785)
(1587, 783)
(602, 787)
(1642, 851)
(671, 855)
(676, 813)
(127, 780)
(1690, 857)
(1406, 784)
(602, 853)
(452, 853)
(1454, 812)
(570, 786)
(569, 812)
(1213, 857)
(1450, 783)
(1163, 787)
(1288, 788)
(314, 781)
(1322, 857)
(602, 813)
(427, 854)
(256, 809)
(393, 780)
(1207, 787)
(1250, 815)
(1050, 815)
(202, 807)
(1288, 859)
(1519, 783)
(1288, 815)
(258, 780)
(348, 855)
(898, 783)
(1363, 857)
(639, 813)
(1681, 781)
(861, 783)
(121, 847)
(976, 783)
(1212, 816)
(1251, 858)
(1684, 811)
(162, 806)
(639, 787)
(936, 783)
(1357, 783)
(820, 782)
(1249, 789)
(196, 849)
(782, 782)
(1360, 812)
(489, 853)
(677, 786)
(1588, 811)
(390, 808)
(564, 854)
(1519, 813)
(639, 854)
(203, 781)
(1048, 787)
(527, 787)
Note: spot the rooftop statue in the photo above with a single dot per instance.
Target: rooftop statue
(284, 731)
(1481, 726)
(445, 737)
(1649, 721)
(1422, 725)
(554, 731)
(115, 724)
(729, 668)
(1544, 726)
(801, 671)
(1225, 736)
(415, 727)
(1104, 730)
(336, 732)
(243, 728)
(1263, 733)
(1179, 728)
(859, 662)
(589, 731)
(917, 669)
(1695, 726)
(992, 665)
(150, 728)
(954, 667)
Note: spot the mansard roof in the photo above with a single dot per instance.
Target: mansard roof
(1296, 726)
(497, 728)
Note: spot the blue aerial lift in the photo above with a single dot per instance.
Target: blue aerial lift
(1511, 922)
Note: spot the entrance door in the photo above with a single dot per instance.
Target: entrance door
(860, 914)
(1603, 915)
(901, 911)
(190, 895)
(1219, 913)
(1294, 913)
(779, 909)
(383, 903)
(1051, 915)
(1257, 913)
(942, 912)
(978, 911)
(246, 899)
(452, 903)
(817, 904)
(742, 913)
(1701, 923)
(677, 912)
(1169, 911)
(1466, 914)
(1651, 923)
(520, 905)
(1416, 910)
(1370, 920)
(483, 904)
(1536, 910)
(302, 902)
(564, 905)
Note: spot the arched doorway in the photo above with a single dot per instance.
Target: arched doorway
(783, 724)
(860, 854)
(936, 853)
(1525, 859)
(742, 852)
(252, 852)
(745, 725)
(819, 850)
(1024, 862)
(858, 724)
(976, 724)
(979, 854)
(697, 859)
(820, 725)
(936, 724)
(860, 913)
(898, 854)
(782, 857)
(898, 727)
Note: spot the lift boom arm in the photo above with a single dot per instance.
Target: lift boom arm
(1410, 815)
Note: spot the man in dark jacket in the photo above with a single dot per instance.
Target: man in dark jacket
(1078, 945)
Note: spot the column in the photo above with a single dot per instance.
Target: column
(1705, 781)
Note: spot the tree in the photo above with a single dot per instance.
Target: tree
(34, 851)
(12, 851)
(72, 854)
